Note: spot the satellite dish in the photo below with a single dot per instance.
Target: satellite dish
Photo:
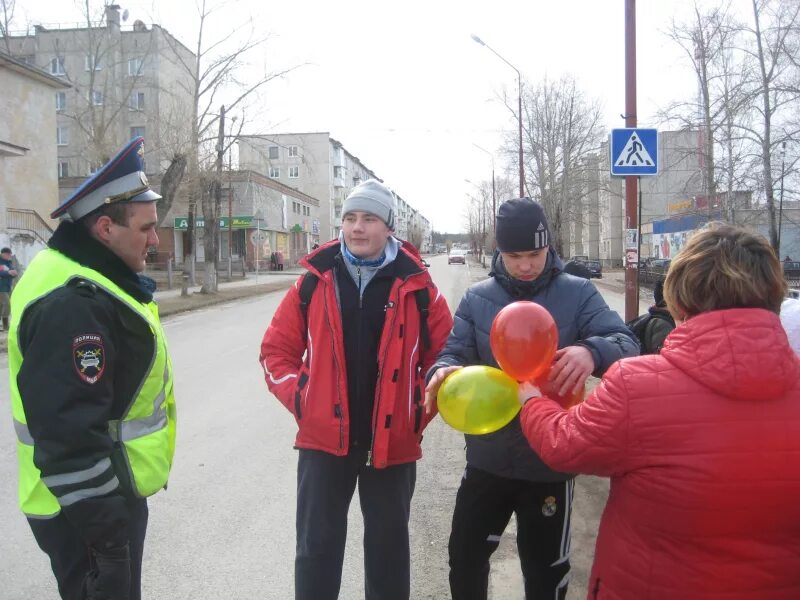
(125, 15)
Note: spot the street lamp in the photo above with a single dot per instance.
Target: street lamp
(780, 204)
(230, 203)
(481, 221)
(519, 112)
(494, 200)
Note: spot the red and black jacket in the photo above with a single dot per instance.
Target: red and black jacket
(306, 368)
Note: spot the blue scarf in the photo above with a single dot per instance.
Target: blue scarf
(362, 262)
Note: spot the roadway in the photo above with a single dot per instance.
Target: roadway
(225, 527)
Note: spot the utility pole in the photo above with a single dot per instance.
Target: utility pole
(631, 212)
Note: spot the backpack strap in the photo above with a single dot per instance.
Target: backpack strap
(307, 287)
(423, 299)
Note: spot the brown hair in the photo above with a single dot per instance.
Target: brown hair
(118, 212)
(724, 266)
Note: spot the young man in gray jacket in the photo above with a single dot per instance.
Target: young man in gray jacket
(503, 474)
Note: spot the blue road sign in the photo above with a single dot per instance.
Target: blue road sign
(634, 151)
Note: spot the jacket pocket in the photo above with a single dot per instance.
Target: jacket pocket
(300, 392)
(417, 407)
(596, 589)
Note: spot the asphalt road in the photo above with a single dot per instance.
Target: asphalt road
(225, 527)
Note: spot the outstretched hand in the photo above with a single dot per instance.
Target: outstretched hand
(432, 389)
(571, 368)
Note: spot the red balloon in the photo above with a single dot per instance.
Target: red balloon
(524, 340)
(576, 397)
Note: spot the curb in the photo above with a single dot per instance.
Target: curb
(176, 305)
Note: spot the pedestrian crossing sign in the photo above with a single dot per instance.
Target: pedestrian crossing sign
(634, 151)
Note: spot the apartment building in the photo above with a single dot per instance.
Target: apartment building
(28, 181)
(125, 81)
(321, 167)
(597, 230)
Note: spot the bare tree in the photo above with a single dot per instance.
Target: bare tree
(774, 36)
(6, 19)
(709, 41)
(561, 126)
(214, 73)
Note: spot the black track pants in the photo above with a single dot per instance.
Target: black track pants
(484, 506)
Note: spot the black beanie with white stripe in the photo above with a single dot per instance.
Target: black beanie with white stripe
(521, 226)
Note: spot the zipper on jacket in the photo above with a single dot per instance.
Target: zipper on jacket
(333, 353)
(381, 361)
(337, 412)
(596, 590)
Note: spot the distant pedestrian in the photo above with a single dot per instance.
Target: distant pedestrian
(653, 327)
(8, 272)
(700, 441)
(346, 353)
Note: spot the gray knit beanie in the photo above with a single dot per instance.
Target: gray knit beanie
(372, 197)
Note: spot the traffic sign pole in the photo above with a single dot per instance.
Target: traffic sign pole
(631, 213)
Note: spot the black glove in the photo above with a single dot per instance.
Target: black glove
(110, 577)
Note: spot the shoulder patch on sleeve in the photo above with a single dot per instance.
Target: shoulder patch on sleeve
(88, 356)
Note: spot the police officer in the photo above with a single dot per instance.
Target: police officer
(91, 385)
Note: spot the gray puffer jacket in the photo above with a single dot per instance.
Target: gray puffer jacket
(582, 317)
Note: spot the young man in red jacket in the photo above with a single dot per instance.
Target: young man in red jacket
(348, 360)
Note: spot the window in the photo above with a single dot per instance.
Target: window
(294, 172)
(61, 101)
(307, 211)
(136, 101)
(97, 98)
(293, 153)
(295, 207)
(338, 172)
(273, 153)
(57, 66)
(134, 67)
(62, 136)
(137, 132)
(274, 172)
(63, 169)
(93, 168)
(91, 62)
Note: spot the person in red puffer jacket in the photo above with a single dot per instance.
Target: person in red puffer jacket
(701, 442)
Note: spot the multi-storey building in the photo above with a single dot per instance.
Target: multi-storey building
(28, 182)
(126, 81)
(598, 228)
(320, 166)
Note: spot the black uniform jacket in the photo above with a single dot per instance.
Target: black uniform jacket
(67, 411)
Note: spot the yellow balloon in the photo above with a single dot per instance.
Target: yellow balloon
(478, 399)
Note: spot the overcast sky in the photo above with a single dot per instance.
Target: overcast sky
(404, 87)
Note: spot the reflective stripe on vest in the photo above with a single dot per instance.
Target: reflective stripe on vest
(147, 429)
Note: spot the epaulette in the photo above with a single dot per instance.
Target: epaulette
(83, 286)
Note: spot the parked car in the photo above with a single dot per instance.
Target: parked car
(595, 268)
(579, 258)
(456, 257)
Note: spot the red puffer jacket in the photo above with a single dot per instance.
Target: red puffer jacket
(702, 444)
(313, 384)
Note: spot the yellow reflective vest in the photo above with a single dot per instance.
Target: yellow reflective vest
(146, 433)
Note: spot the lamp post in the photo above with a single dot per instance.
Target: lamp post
(230, 204)
(481, 221)
(519, 111)
(494, 197)
(780, 203)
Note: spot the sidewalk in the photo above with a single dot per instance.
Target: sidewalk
(171, 302)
